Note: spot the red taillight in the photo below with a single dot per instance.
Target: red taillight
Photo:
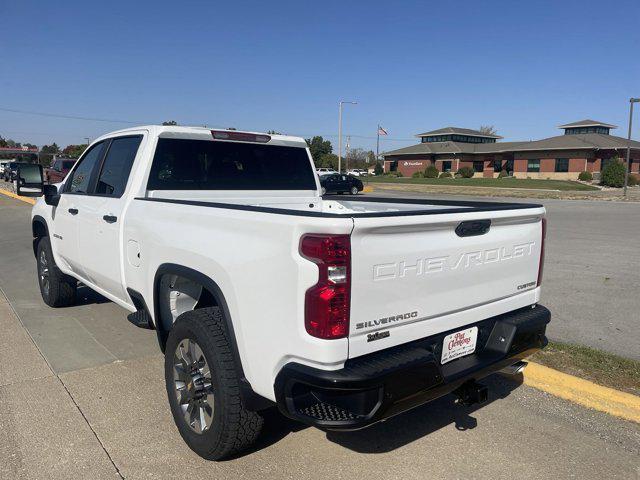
(239, 136)
(326, 304)
(544, 236)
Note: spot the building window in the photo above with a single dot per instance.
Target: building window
(497, 166)
(478, 167)
(562, 165)
(533, 165)
(446, 166)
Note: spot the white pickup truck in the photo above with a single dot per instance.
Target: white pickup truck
(341, 311)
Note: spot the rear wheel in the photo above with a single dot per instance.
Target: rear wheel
(56, 288)
(354, 190)
(203, 386)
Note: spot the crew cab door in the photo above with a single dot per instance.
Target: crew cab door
(65, 216)
(100, 221)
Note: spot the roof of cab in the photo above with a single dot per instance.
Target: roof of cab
(202, 133)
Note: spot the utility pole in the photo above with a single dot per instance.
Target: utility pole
(340, 132)
(626, 171)
(88, 140)
(346, 153)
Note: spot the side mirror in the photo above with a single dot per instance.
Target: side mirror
(51, 195)
(29, 180)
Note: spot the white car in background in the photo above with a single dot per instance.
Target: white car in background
(358, 172)
(325, 171)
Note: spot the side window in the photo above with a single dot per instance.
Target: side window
(117, 166)
(80, 179)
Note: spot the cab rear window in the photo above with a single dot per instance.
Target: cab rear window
(183, 164)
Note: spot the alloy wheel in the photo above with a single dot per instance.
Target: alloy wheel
(43, 272)
(193, 385)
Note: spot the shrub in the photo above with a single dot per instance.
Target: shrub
(379, 169)
(633, 180)
(585, 176)
(399, 174)
(418, 175)
(466, 172)
(613, 174)
(445, 175)
(503, 173)
(431, 172)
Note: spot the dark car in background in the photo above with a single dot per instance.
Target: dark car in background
(10, 170)
(340, 183)
(58, 171)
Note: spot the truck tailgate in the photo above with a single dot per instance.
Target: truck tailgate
(415, 276)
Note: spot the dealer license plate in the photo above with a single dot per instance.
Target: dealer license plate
(459, 344)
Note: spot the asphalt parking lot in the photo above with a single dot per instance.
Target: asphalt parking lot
(82, 396)
(591, 275)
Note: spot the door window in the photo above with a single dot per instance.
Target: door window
(80, 179)
(562, 164)
(117, 166)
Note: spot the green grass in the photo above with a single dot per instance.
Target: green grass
(563, 185)
(600, 367)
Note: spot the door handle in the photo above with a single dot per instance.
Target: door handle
(110, 218)
(73, 211)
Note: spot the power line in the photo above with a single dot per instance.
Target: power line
(130, 122)
(71, 117)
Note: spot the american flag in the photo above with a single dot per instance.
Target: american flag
(381, 131)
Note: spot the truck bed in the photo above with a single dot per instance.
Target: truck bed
(332, 206)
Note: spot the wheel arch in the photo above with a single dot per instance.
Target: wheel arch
(39, 229)
(252, 400)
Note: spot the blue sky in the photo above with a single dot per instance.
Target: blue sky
(524, 67)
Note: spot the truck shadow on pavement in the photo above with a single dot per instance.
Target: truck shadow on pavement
(86, 296)
(409, 426)
(399, 430)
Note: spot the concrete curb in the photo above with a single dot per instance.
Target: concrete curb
(17, 197)
(583, 392)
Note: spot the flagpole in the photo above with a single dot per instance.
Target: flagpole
(378, 143)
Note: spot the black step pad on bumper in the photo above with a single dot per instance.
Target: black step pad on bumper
(376, 386)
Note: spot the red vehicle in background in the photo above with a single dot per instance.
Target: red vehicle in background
(58, 170)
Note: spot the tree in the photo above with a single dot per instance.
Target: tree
(74, 151)
(318, 147)
(170, 123)
(47, 152)
(3, 142)
(356, 158)
(613, 173)
(379, 169)
(488, 129)
(328, 160)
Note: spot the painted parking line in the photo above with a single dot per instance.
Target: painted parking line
(17, 197)
(583, 392)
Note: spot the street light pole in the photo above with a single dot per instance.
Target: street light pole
(340, 133)
(626, 172)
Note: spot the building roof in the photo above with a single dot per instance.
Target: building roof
(589, 141)
(457, 131)
(587, 123)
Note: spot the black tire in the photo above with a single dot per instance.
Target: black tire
(354, 190)
(233, 428)
(61, 288)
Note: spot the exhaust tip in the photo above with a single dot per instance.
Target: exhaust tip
(515, 369)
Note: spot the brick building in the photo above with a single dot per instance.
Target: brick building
(585, 146)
